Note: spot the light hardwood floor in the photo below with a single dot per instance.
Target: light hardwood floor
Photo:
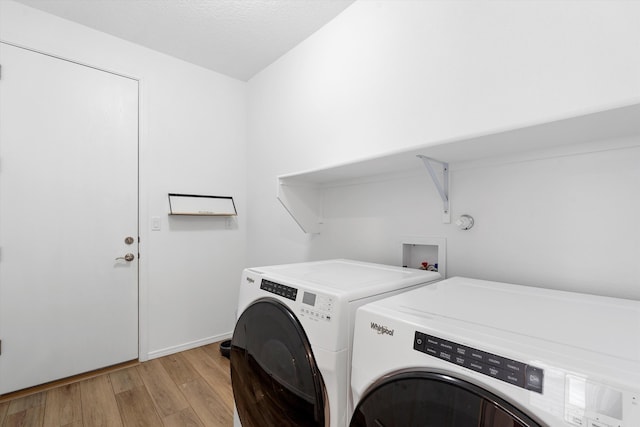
(192, 388)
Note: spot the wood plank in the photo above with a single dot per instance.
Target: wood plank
(125, 379)
(99, 407)
(178, 368)
(207, 404)
(184, 418)
(64, 381)
(26, 402)
(217, 377)
(63, 406)
(137, 408)
(4, 408)
(25, 411)
(213, 350)
(29, 417)
(165, 393)
(185, 389)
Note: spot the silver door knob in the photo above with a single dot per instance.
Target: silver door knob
(127, 257)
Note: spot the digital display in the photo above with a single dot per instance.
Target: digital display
(309, 298)
(593, 397)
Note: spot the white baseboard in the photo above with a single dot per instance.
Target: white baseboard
(187, 346)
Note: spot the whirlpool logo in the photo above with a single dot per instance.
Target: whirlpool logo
(250, 280)
(381, 329)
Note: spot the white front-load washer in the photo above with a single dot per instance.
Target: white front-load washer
(291, 346)
(473, 353)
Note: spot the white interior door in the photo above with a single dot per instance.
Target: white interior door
(68, 200)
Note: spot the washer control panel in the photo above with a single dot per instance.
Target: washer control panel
(504, 369)
(279, 289)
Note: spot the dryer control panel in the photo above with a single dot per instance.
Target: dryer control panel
(504, 369)
(317, 306)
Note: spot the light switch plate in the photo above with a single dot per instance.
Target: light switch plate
(155, 223)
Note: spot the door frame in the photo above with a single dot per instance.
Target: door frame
(142, 276)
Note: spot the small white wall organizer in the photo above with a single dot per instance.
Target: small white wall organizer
(201, 205)
(301, 193)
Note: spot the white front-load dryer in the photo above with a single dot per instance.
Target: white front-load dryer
(291, 346)
(471, 353)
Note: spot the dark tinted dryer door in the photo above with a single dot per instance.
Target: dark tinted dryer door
(275, 379)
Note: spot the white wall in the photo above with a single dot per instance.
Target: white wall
(385, 75)
(381, 76)
(193, 140)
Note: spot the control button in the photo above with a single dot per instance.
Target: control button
(514, 366)
(419, 341)
(444, 355)
(513, 378)
(595, 423)
(446, 345)
(475, 366)
(476, 355)
(493, 371)
(576, 421)
(533, 378)
(461, 350)
(494, 360)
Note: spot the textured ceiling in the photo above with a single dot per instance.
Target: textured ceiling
(233, 37)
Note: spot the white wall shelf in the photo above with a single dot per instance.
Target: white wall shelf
(301, 193)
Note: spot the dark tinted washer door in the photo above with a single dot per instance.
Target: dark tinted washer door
(426, 399)
(275, 379)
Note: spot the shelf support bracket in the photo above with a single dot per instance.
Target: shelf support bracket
(442, 187)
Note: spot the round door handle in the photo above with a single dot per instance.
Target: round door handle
(127, 257)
